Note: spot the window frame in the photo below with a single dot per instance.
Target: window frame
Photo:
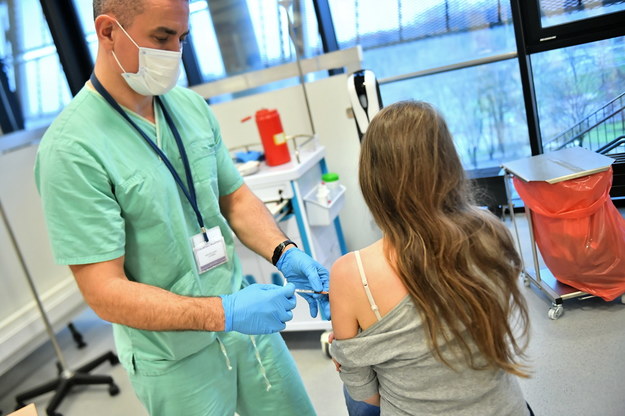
(592, 29)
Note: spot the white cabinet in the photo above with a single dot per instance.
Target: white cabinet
(289, 184)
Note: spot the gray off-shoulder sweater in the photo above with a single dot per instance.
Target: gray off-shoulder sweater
(392, 358)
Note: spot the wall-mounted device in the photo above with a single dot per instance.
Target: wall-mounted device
(364, 94)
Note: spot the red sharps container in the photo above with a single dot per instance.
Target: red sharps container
(272, 137)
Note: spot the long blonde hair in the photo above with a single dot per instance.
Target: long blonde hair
(457, 261)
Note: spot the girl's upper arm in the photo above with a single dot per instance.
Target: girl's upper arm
(342, 302)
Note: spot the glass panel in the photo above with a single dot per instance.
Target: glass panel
(408, 36)
(84, 9)
(205, 41)
(556, 12)
(32, 63)
(580, 94)
(483, 107)
(237, 36)
(231, 37)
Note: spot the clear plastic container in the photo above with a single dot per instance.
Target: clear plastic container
(323, 213)
(331, 180)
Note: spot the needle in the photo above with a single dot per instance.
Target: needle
(311, 291)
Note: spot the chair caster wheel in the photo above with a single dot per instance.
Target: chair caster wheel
(113, 359)
(113, 390)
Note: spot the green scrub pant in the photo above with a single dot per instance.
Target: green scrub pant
(226, 377)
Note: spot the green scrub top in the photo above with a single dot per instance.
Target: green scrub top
(107, 194)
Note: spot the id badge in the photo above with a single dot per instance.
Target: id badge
(211, 254)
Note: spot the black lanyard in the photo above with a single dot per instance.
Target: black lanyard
(190, 193)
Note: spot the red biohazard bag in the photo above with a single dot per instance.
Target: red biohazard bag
(579, 231)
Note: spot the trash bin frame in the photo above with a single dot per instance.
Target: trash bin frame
(553, 167)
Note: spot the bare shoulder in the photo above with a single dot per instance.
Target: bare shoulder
(342, 276)
(343, 266)
(342, 286)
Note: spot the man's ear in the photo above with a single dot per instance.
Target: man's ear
(104, 30)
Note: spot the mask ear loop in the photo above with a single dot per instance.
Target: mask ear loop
(118, 63)
(124, 30)
(129, 37)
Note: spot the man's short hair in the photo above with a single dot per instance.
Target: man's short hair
(124, 10)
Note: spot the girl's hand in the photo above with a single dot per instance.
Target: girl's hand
(336, 363)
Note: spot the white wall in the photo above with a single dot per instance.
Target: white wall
(329, 104)
(21, 326)
(337, 132)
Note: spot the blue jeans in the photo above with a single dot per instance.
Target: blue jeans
(357, 408)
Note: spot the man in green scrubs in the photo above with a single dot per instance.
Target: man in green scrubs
(142, 201)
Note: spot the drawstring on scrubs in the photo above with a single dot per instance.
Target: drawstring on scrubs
(263, 372)
(223, 351)
(260, 363)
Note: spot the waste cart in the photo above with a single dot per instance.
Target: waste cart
(572, 220)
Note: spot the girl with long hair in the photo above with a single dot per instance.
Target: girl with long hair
(428, 320)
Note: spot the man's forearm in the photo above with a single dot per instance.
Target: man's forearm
(252, 222)
(142, 306)
(151, 308)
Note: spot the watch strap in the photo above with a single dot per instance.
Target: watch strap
(277, 252)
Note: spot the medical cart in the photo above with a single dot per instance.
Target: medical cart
(288, 191)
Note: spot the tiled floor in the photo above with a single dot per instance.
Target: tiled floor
(578, 364)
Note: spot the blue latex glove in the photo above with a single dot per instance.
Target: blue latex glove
(259, 309)
(247, 156)
(300, 269)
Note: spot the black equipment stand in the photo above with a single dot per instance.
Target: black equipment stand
(66, 378)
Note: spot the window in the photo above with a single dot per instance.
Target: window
(32, 63)
(580, 94)
(575, 52)
(483, 105)
(405, 36)
(232, 37)
(556, 12)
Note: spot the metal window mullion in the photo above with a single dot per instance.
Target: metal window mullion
(325, 24)
(357, 20)
(281, 34)
(69, 40)
(17, 43)
(191, 64)
(400, 21)
(527, 79)
(448, 68)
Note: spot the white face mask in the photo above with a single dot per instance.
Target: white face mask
(158, 70)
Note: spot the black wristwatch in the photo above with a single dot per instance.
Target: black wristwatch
(279, 250)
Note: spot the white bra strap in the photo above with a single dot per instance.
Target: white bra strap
(363, 278)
